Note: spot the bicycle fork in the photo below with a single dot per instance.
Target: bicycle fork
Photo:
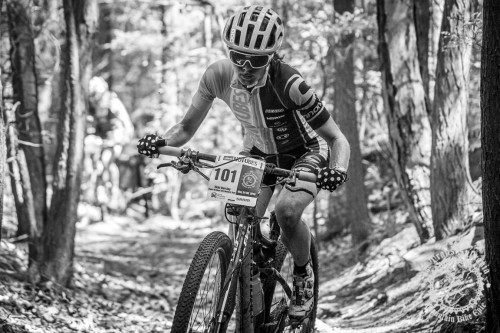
(227, 302)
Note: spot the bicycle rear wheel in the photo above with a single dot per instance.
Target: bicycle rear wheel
(275, 299)
(203, 284)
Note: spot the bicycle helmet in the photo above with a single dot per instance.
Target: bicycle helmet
(254, 29)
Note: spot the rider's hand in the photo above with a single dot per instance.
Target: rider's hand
(148, 145)
(330, 178)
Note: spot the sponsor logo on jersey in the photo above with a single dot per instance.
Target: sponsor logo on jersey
(274, 110)
(240, 105)
(274, 118)
(282, 136)
(277, 124)
(282, 129)
(314, 111)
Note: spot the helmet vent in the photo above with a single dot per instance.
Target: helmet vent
(271, 39)
(249, 35)
(258, 42)
(242, 18)
(264, 24)
(254, 17)
(237, 37)
(228, 31)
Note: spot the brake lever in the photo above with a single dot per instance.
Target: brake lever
(169, 164)
(164, 165)
(175, 164)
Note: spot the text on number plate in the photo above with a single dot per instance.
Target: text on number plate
(236, 182)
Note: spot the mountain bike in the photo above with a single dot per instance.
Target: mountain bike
(241, 285)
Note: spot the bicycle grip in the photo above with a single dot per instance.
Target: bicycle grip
(170, 151)
(307, 176)
(167, 150)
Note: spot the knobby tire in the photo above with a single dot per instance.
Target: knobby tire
(215, 249)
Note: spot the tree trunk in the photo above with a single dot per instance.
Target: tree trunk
(31, 154)
(436, 20)
(345, 106)
(59, 238)
(174, 177)
(49, 89)
(102, 53)
(490, 142)
(422, 20)
(3, 149)
(404, 100)
(337, 219)
(450, 179)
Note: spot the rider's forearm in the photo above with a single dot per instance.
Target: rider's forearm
(183, 131)
(339, 153)
(177, 135)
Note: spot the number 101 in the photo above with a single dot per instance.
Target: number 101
(224, 175)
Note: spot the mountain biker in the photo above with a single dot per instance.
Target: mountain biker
(110, 122)
(285, 123)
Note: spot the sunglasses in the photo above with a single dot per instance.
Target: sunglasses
(255, 60)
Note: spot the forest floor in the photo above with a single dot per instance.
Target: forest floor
(128, 276)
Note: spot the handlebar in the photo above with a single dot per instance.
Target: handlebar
(196, 156)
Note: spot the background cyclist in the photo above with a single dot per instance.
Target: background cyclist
(111, 125)
(284, 121)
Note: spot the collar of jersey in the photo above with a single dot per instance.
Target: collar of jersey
(237, 85)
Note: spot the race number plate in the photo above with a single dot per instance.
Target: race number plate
(236, 182)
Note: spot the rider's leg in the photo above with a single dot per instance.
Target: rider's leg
(106, 156)
(109, 157)
(296, 234)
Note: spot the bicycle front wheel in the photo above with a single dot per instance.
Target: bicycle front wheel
(203, 284)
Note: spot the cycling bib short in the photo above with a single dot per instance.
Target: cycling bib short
(309, 157)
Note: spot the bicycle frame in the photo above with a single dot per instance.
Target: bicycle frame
(241, 249)
(248, 237)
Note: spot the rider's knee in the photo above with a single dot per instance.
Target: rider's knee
(287, 214)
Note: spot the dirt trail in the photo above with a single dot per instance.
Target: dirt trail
(150, 259)
(128, 277)
(156, 253)
(140, 267)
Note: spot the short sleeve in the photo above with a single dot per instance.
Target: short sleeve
(306, 101)
(212, 84)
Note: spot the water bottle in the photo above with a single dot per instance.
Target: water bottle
(257, 294)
